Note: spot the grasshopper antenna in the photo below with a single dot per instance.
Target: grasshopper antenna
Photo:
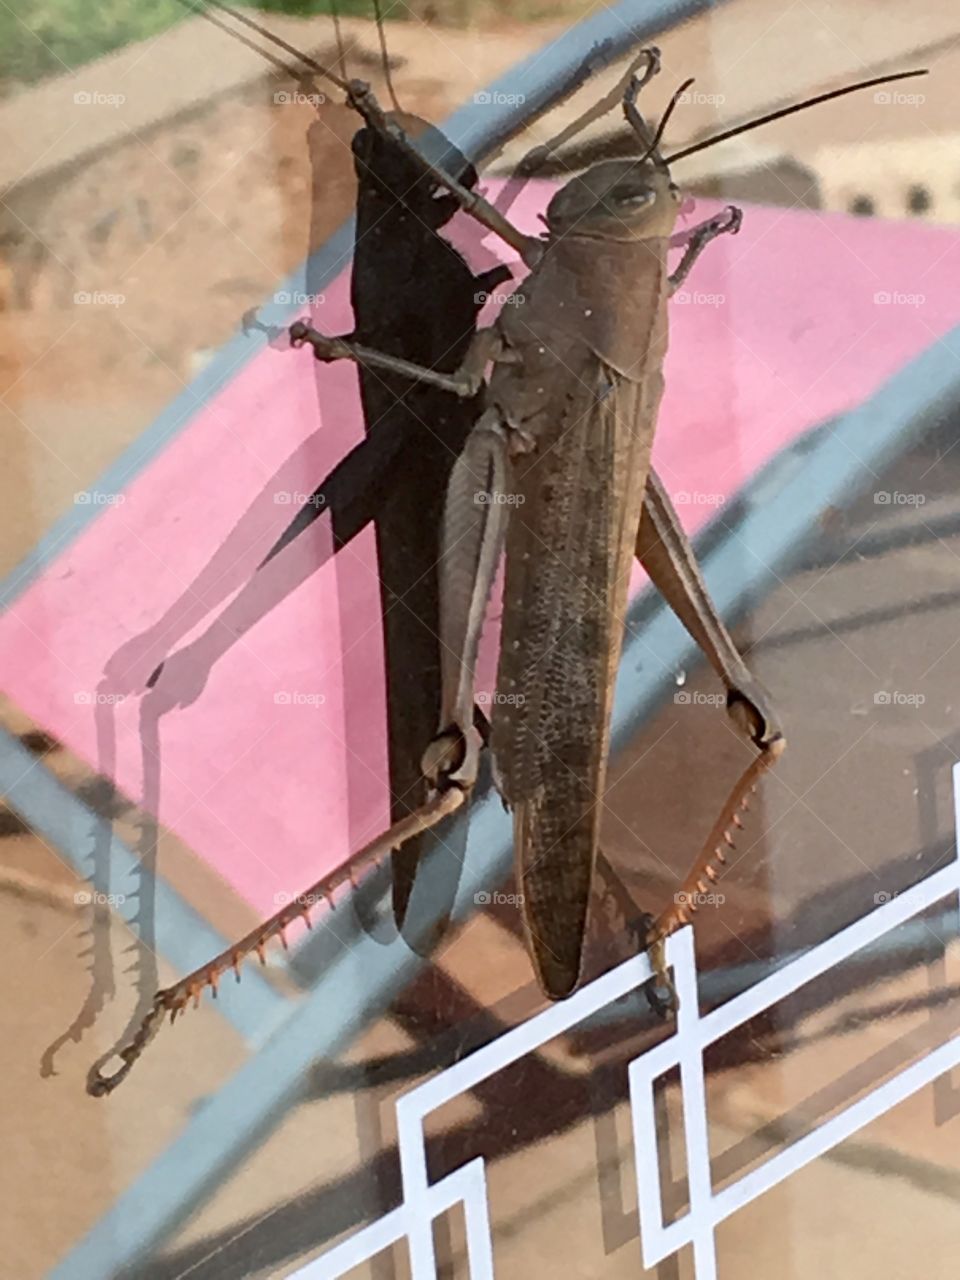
(341, 51)
(385, 57)
(295, 73)
(788, 111)
(665, 119)
(278, 41)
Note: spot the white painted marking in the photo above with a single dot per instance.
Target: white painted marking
(423, 1201)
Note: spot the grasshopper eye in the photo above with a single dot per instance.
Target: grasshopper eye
(637, 199)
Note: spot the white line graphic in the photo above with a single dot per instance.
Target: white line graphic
(424, 1201)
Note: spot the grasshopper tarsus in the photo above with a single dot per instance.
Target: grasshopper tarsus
(727, 222)
(660, 992)
(661, 996)
(99, 1082)
(302, 332)
(639, 80)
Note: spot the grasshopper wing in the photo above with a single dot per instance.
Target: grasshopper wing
(569, 552)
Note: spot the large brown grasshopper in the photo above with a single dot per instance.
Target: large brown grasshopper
(557, 472)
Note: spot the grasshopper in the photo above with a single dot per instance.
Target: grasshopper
(556, 472)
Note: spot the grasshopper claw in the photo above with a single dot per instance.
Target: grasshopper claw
(660, 992)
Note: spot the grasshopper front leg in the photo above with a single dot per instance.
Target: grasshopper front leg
(465, 382)
(726, 223)
(629, 82)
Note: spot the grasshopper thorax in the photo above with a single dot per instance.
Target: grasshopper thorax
(617, 200)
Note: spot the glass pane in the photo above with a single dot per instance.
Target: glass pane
(193, 730)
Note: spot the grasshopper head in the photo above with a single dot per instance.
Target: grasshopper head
(617, 200)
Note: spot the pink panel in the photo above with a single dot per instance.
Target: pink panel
(273, 769)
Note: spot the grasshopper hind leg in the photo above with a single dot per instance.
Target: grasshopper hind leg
(665, 552)
(640, 926)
